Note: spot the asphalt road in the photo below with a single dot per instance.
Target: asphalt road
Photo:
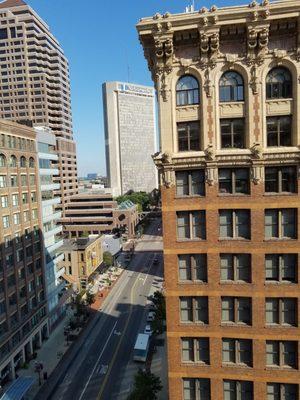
(99, 367)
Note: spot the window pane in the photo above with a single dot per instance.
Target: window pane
(182, 188)
(245, 352)
(200, 267)
(273, 391)
(194, 135)
(290, 391)
(229, 388)
(288, 179)
(187, 349)
(242, 224)
(272, 269)
(290, 353)
(241, 180)
(202, 350)
(186, 309)
(198, 221)
(189, 389)
(272, 353)
(227, 267)
(225, 181)
(243, 268)
(227, 309)
(228, 350)
(183, 139)
(244, 310)
(246, 390)
(271, 224)
(271, 180)
(183, 228)
(184, 267)
(288, 223)
(201, 309)
(289, 267)
(226, 223)
(289, 311)
(272, 311)
(198, 183)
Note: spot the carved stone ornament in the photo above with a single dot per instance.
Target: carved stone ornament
(254, 79)
(166, 157)
(256, 174)
(168, 178)
(210, 175)
(256, 150)
(279, 54)
(253, 4)
(210, 152)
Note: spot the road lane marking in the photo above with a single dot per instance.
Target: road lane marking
(92, 373)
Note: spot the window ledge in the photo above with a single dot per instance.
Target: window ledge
(280, 240)
(235, 365)
(192, 196)
(228, 282)
(280, 367)
(181, 323)
(235, 324)
(190, 240)
(234, 239)
(195, 282)
(268, 326)
(234, 195)
(278, 283)
(280, 194)
(194, 363)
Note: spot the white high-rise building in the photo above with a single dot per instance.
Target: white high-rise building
(130, 136)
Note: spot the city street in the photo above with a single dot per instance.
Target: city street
(99, 367)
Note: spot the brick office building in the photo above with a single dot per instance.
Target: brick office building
(228, 94)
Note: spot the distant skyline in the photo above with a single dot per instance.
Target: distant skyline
(101, 44)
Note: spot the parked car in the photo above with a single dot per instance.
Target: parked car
(148, 330)
(150, 316)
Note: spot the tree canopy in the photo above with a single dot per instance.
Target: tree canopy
(146, 386)
(142, 199)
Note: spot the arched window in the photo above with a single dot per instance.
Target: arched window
(13, 161)
(187, 91)
(23, 162)
(279, 83)
(31, 162)
(231, 87)
(2, 160)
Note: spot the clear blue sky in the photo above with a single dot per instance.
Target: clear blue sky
(99, 38)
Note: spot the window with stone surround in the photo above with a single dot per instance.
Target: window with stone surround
(281, 223)
(281, 179)
(232, 133)
(281, 353)
(188, 136)
(237, 351)
(279, 84)
(231, 87)
(195, 350)
(279, 131)
(238, 390)
(235, 267)
(192, 267)
(281, 267)
(196, 389)
(234, 224)
(282, 391)
(187, 91)
(194, 309)
(234, 181)
(281, 311)
(190, 183)
(236, 310)
(191, 225)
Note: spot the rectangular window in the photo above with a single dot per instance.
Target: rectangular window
(15, 200)
(190, 183)
(3, 181)
(281, 267)
(281, 223)
(235, 267)
(23, 180)
(32, 180)
(188, 136)
(236, 310)
(196, 389)
(234, 224)
(192, 267)
(234, 181)
(237, 351)
(16, 218)
(191, 225)
(13, 181)
(281, 353)
(279, 131)
(281, 179)
(281, 311)
(238, 390)
(194, 309)
(4, 201)
(195, 350)
(24, 198)
(5, 221)
(282, 391)
(232, 133)
(34, 214)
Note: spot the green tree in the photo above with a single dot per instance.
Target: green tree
(142, 199)
(146, 386)
(90, 298)
(108, 258)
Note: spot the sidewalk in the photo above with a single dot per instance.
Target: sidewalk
(49, 355)
(54, 349)
(159, 365)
